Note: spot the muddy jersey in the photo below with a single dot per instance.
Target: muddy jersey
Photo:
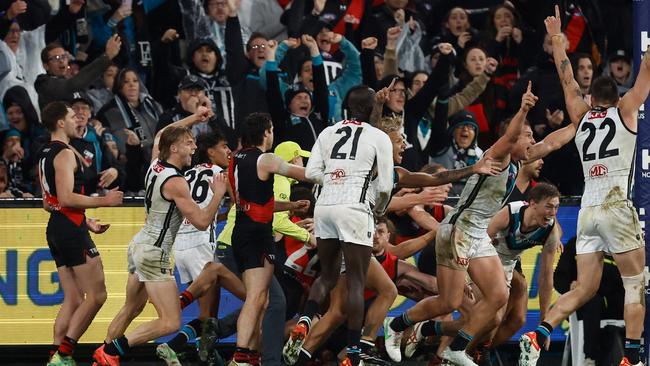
(482, 197)
(607, 149)
(199, 179)
(46, 175)
(163, 217)
(511, 242)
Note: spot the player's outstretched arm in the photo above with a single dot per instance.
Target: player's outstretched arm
(64, 165)
(554, 141)
(635, 97)
(501, 149)
(270, 163)
(411, 246)
(176, 189)
(575, 104)
(202, 114)
(409, 179)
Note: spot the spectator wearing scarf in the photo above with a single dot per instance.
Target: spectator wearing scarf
(460, 149)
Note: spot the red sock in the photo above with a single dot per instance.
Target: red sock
(254, 358)
(53, 349)
(67, 346)
(186, 298)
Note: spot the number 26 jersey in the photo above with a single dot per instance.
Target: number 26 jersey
(607, 149)
(199, 178)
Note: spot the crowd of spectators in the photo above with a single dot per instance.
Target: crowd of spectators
(130, 68)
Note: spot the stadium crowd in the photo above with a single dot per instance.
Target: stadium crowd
(131, 68)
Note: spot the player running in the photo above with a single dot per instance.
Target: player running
(168, 199)
(194, 250)
(607, 221)
(60, 171)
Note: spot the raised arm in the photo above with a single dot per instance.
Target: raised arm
(501, 149)
(575, 104)
(321, 93)
(202, 114)
(635, 97)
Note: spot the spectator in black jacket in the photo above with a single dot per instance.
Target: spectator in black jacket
(414, 109)
(131, 109)
(68, 26)
(383, 17)
(22, 116)
(294, 119)
(242, 68)
(52, 85)
(101, 169)
(13, 157)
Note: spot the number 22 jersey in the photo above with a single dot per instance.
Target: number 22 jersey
(607, 149)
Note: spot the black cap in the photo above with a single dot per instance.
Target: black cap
(620, 55)
(80, 96)
(192, 82)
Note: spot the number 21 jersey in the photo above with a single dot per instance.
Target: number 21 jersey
(345, 158)
(607, 149)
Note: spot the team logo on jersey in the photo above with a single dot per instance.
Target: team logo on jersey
(462, 261)
(597, 114)
(337, 174)
(598, 170)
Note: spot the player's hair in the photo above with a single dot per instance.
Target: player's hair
(301, 193)
(576, 57)
(432, 168)
(52, 113)
(503, 126)
(45, 53)
(390, 124)
(358, 102)
(170, 136)
(255, 125)
(543, 190)
(389, 225)
(206, 141)
(604, 90)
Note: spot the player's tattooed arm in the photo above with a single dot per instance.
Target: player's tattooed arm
(575, 104)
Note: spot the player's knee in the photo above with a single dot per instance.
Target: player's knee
(634, 289)
(517, 320)
(389, 292)
(498, 297)
(171, 325)
(451, 304)
(97, 298)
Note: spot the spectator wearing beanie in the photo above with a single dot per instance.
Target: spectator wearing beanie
(299, 118)
(459, 149)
